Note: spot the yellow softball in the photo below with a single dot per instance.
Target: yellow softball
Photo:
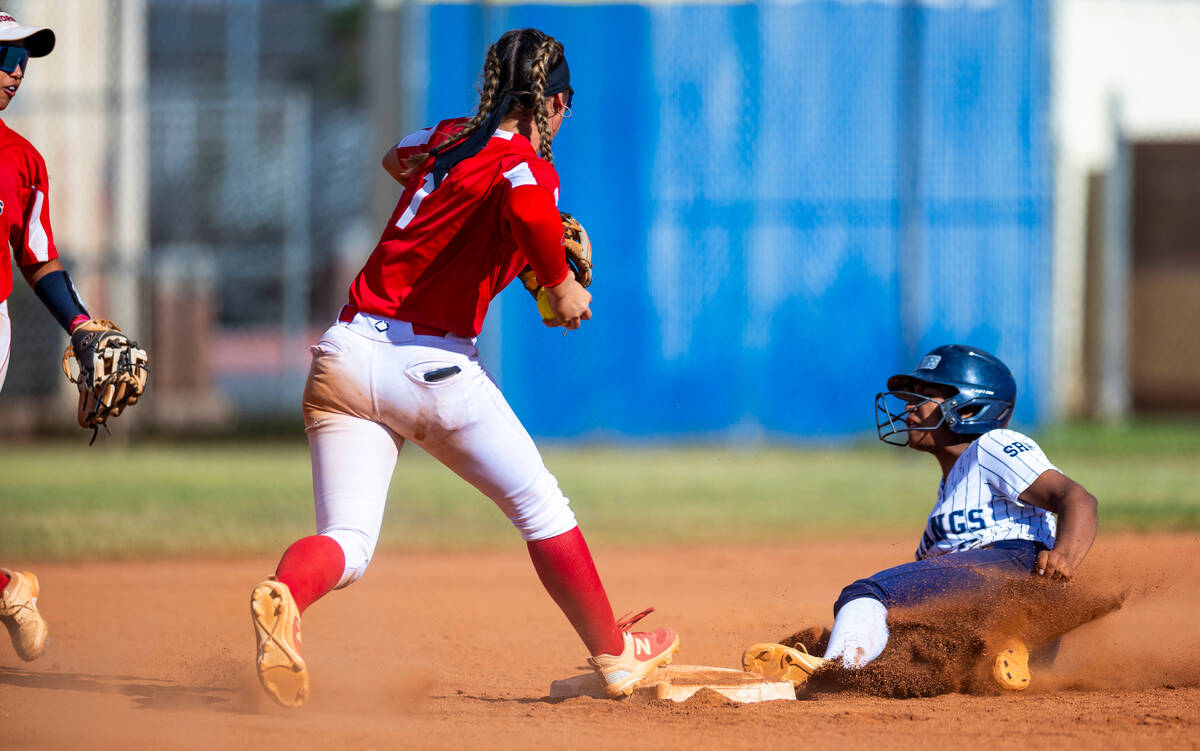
(543, 302)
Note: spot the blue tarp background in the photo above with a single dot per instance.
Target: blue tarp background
(788, 202)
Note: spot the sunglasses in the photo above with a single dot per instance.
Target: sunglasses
(12, 57)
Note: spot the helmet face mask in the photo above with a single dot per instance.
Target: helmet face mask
(891, 415)
(980, 395)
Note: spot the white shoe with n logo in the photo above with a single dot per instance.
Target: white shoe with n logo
(19, 613)
(644, 652)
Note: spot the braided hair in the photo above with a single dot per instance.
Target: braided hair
(549, 52)
(489, 92)
(517, 68)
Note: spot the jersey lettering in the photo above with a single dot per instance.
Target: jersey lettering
(978, 501)
(937, 525)
(1016, 447)
(957, 525)
(975, 516)
(415, 204)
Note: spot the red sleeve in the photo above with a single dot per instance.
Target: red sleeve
(38, 242)
(533, 218)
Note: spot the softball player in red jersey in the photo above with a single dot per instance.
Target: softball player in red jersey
(25, 222)
(478, 204)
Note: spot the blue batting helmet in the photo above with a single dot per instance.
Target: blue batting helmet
(986, 392)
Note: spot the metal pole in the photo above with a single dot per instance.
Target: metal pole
(241, 82)
(1114, 387)
(131, 207)
(383, 71)
(297, 233)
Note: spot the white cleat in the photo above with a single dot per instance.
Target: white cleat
(18, 611)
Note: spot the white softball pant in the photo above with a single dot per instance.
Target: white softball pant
(5, 340)
(374, 384)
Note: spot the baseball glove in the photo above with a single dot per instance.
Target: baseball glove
(111, 375)
(578, 249)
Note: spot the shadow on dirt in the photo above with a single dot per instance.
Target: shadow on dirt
(148, 693)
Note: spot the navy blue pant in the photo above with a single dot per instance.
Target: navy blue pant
(981, 572)
(969, 571)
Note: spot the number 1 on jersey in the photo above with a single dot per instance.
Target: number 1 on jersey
(415, 204)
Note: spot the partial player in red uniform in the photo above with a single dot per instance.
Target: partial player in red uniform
(25, 222)
(478, 204)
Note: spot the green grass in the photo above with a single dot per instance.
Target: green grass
(1143, 438)
(64, 501)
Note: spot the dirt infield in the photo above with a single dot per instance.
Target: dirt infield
(458, 650)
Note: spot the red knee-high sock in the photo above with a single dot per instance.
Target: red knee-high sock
(3, 580)
(564, 564)
(311, 567)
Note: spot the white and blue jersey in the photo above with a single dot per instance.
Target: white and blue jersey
(977, 502)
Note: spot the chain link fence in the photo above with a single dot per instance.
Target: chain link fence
(199, 196)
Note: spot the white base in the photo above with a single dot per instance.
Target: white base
(680, 682)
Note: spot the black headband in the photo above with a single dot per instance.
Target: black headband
(559, 79)
(557, 82)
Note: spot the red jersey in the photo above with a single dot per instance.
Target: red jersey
(24, 208)
(447, 251)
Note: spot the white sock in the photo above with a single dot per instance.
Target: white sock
(860, 632)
